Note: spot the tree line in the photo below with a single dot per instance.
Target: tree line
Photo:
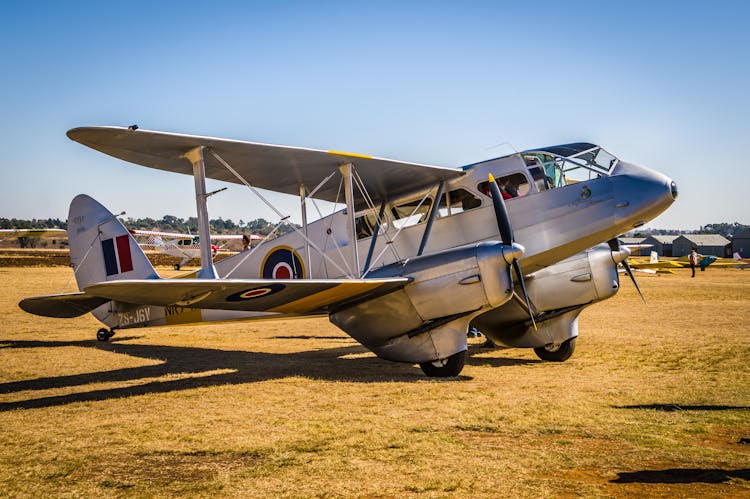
(168, 223)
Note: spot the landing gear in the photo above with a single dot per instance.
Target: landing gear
(557, 353)
(104, 334)
(446, 368)
(176, 266)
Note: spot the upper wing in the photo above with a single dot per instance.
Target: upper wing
(277, 168)
(175, 235)
(285, 296)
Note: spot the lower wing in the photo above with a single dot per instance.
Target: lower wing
(284, 296)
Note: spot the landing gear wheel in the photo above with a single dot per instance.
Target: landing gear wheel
(559, 354)
(176, 266)
(104, 334)
(446, 368)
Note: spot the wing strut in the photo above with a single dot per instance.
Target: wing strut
(195, 156)
(346, 172)
(303, 206)
(433, 212)
(374, 239)
(282, 218)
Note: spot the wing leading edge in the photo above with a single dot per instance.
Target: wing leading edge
(283, 296)
(272, 167)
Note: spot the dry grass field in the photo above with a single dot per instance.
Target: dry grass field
(655, 402)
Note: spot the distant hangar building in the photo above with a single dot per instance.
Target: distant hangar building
(661, 244)
(635, 240)
(741, 243)
(705, 244)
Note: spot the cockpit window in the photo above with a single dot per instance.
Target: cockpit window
(570, 163)
(511, 186)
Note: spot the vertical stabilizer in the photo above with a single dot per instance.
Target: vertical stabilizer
(101, 248)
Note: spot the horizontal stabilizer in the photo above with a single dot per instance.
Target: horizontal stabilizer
(63, 306)
(284, 296)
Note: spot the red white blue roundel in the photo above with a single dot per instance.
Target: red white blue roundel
(283, 263)
(250, 294)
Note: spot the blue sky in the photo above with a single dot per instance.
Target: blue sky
(661, 84)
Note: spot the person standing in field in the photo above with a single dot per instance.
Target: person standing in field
(693, 259)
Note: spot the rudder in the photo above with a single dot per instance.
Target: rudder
(101, 248)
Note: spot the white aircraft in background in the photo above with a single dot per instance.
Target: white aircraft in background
(185, 246)
(441, 252)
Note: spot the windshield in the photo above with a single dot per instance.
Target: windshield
(570, 163)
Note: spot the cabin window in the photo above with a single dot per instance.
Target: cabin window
(457, 201)
(411, 213)
(511, 186)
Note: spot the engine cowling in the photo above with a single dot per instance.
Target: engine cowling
(428, 318)
(559, 293)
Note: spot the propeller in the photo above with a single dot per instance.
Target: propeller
(514, 250)
(614, 245)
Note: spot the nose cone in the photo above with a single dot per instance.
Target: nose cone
(640, 193)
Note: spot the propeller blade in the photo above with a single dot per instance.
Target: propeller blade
(614, 245)
(632, 278)
(519, 274)
(506, 235)
(501, 214)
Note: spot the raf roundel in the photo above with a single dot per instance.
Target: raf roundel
(283, 263)
(250, 294)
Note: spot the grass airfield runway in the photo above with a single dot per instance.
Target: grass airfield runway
(654, 402)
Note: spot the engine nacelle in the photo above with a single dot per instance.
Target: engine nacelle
(427, 319)
(558, 293)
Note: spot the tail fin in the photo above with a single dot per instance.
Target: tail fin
(654, 257)
(101, 248)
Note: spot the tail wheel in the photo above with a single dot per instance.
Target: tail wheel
(557, 353)
(176, 266)
(103, 334)
(445, 368)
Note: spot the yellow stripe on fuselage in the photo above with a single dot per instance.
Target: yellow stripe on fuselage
(350, 154)
(332, 295)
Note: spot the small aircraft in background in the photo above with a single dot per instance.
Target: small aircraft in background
(668, 266)
(656, 266)
(515, 246)
(737, 262)
(185, 246)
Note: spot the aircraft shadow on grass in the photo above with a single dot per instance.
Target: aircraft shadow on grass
(682, 475)
(683, 407)
(246, 367)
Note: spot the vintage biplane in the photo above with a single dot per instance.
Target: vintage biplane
(184, 246)
(416, 255)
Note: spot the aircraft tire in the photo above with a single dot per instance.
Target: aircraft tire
(176, 266)
(559, 355)
(447, 368)
(103, 335)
